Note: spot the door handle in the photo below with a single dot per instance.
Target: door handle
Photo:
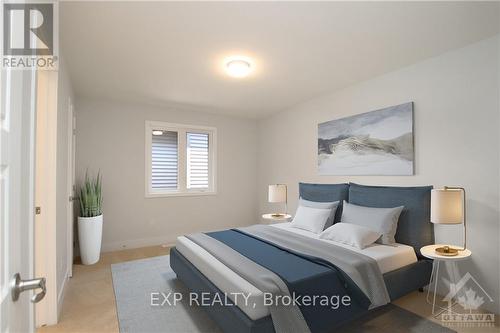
(18, 286)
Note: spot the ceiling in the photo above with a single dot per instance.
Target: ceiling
(171, 52)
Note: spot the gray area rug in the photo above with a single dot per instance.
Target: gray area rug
(134, 281)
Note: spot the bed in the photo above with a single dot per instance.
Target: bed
(402, 266)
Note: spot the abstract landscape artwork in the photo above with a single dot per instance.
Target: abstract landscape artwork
(374, 143)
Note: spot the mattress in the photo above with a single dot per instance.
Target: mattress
(224, 278)
(388, 258)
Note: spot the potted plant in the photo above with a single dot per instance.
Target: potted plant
(90, 220)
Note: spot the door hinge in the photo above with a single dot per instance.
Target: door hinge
(38, 210)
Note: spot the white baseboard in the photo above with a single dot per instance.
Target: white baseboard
(136, 243)
(62, 292)
(154, 241)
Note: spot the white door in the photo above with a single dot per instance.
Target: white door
(18, 93)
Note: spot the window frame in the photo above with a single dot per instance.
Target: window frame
(182, 130)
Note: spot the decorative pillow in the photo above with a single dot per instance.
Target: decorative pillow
(311, 219)
(350, 234)
(414, 226)
(381, 220)
(325, 193)
(323, 205)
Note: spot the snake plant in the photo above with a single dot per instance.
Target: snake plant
(91, 196)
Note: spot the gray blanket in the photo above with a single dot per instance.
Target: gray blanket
(361, 269)
(285, 318)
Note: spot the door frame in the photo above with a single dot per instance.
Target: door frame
(45, 229)
(71, 190)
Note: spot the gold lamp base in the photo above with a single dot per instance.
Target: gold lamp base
(446, 251)
(278, 215)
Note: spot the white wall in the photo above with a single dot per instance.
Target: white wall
(456, 107)
(110, 137)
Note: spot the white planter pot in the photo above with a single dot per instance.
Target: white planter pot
(89, 236)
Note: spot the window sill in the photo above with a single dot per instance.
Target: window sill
(179, 194)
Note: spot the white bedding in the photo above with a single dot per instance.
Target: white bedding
(388, 259)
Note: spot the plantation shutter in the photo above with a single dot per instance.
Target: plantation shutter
(164, 161)
(197, 160)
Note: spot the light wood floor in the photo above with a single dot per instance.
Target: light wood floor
(89, 302)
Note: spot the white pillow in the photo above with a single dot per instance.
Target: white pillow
(381, 220)
(317, 204)
(350, 234)
(311, 219)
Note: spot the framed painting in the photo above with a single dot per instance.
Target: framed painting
(373, 143)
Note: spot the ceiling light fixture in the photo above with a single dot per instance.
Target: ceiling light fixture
(157, 132)
(238, 67)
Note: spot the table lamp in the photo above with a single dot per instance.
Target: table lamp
(278, 194)
(448, 207)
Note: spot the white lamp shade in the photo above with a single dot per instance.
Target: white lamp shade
(277, 193)
(447, 206)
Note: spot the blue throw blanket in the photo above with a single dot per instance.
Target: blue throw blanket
(303, 275)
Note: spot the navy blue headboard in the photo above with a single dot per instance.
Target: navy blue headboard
(414, 227)
(325, 193)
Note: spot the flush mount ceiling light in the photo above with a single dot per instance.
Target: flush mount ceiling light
(238, 67)
(157, 132)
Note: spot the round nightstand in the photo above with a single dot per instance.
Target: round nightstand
(429, 251)
(270, 218)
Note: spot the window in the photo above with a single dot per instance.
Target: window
(164, 161)
(197, 160)
(180, 159)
